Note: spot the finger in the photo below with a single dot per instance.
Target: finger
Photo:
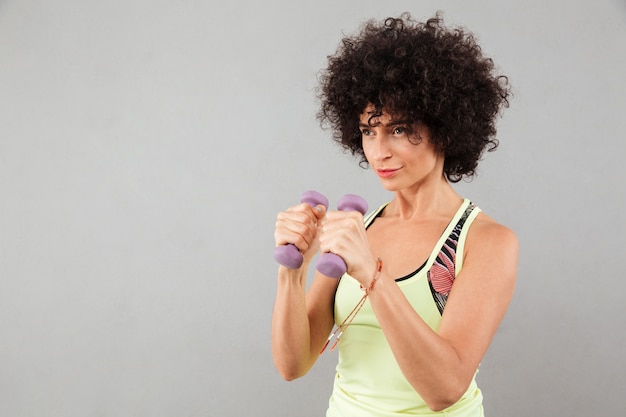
(334, 215)
(285, 236)
(341, 231)
(319, 212)
(295, 227)
(341, 222)
(314, 213)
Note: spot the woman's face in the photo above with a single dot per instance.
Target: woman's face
(400, 153)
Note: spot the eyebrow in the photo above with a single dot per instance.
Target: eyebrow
(390, 124)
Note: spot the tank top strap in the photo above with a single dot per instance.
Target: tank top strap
(369, 219)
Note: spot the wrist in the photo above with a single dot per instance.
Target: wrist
(374, 276)
(292, 276)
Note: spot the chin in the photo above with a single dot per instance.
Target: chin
(391, 186)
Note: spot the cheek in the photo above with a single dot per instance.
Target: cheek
(430, 159)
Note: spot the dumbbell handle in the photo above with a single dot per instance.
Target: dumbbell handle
(288, 255)
(330, 264)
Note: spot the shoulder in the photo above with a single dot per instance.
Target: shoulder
(488, 239)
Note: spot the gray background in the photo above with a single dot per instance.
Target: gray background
(146, 147)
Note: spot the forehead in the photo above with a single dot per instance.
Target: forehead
(371, 115)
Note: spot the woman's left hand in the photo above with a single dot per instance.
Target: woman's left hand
(343, 233)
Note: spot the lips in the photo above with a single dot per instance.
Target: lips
(386, 172)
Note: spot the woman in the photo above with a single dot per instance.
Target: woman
(417, 102)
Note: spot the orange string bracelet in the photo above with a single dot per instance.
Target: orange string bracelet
(346, 322)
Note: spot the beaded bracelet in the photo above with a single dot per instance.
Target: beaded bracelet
(371, 286)
(344, 324)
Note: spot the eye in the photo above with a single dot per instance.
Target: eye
(399, 130)
(366, 132)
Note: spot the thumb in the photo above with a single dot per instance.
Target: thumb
(319, 211)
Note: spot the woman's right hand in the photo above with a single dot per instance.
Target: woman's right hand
(298, 225)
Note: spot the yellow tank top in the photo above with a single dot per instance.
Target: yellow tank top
(368, 380)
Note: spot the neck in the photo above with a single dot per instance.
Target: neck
(427, 200)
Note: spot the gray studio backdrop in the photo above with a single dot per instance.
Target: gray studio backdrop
(146, 146)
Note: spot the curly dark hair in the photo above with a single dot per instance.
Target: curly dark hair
(426, 73)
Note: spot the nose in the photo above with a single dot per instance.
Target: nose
(379, 148)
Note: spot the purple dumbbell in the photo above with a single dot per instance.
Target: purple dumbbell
(333, 265)
(288, 255)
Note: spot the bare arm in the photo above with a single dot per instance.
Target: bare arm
(301, 320)
(440, 366)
